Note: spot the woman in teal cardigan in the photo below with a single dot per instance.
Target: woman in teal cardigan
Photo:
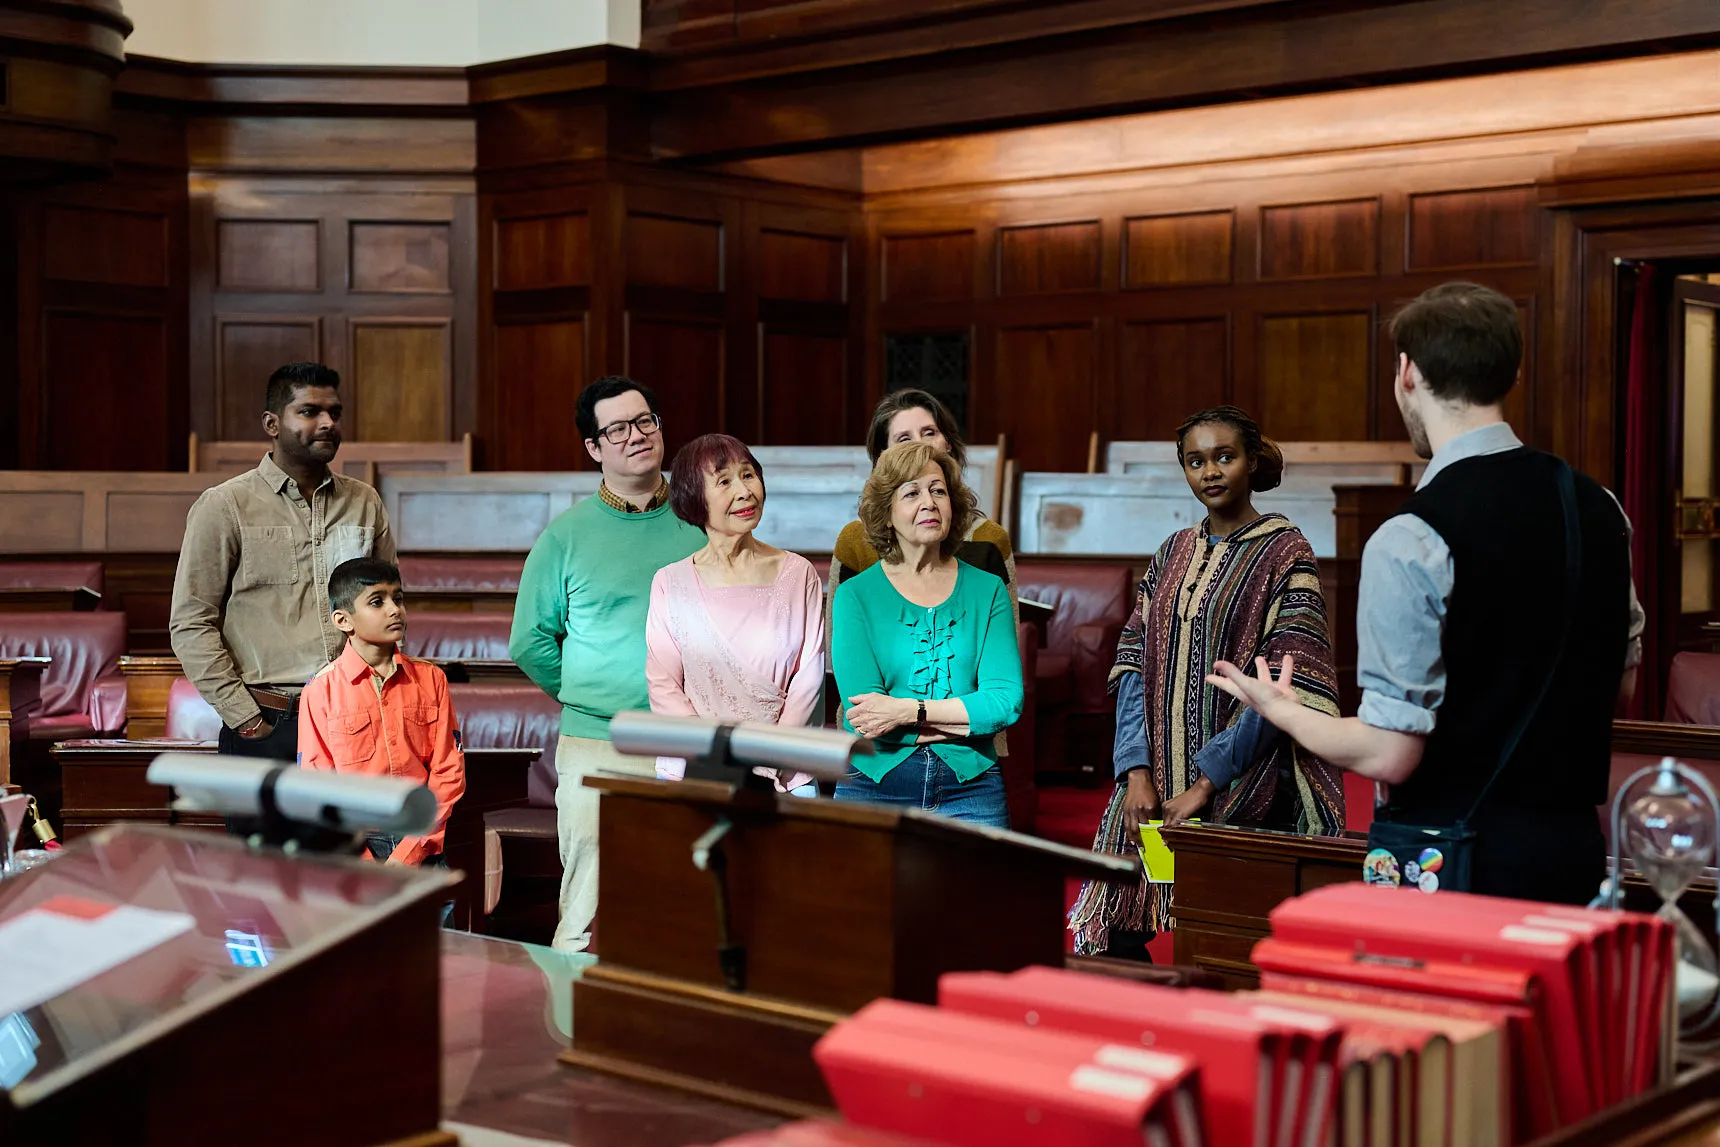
(924, 648)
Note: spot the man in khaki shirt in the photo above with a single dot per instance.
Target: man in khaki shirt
(251, 619)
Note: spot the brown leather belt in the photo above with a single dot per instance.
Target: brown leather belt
(275, 700)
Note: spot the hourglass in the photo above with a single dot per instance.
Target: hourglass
(1668, 828)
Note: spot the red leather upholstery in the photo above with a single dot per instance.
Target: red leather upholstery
(503, 715)
(189, 716)
(1693, 689)
(497, 575)
(51, 575)
(442, 635)
(84, 647)
(1090, 604)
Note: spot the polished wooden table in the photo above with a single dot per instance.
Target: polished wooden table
(20, 695)
(103, 782)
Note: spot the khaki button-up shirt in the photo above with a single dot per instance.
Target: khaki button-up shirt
(250, 596)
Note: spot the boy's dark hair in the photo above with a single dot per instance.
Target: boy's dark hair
(351, 577)
(1465, 339)
(294, 377)
(910, 398)
(609, 386)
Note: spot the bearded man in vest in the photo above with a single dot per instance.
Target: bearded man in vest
(1478, 653)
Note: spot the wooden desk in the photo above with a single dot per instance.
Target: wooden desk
(103, 782)
(20, 695)
(47, 599)
(493, 671)
(148, 680)
(1230, 879)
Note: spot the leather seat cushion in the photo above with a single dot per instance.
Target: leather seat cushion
(1080, 593)
(505, 715)
(1693, 689)
(84, 647)
(189, 716)
(442, 635)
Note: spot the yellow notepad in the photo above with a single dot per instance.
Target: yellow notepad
(1161, 863)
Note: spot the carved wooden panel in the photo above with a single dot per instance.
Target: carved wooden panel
(1517, 401)
(107, 391)
(1314, 372)
(400, 258)
(813, 268)
(267, 255)
(1048, 258)
(1160, 250)
(920, 267)
(803, 389)
(540, 368)
(1043, 397)
(97, 245)
(1165, 372)
(1493, 228)
(402, 374)
(664, 251)
(1320, 240)
(248, 349)
(543, 251)
(48, 521)
(682, 361)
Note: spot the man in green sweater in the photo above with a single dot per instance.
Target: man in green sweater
(579, 622)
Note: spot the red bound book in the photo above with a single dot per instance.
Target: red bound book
(1460, 991)
(1272, 1082)
(1389, 924)
(968, 1081)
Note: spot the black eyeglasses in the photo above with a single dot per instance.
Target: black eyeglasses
(618, 432)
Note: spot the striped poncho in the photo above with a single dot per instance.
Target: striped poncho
(1254, 594)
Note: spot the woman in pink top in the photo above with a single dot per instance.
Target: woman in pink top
(735, 632)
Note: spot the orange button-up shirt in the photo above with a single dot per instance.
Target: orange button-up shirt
(353, 719)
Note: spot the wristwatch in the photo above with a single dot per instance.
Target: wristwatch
(922, 714)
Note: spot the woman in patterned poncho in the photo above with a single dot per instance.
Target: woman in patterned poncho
(1240, 585)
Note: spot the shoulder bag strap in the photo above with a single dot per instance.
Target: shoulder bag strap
(1573, 570)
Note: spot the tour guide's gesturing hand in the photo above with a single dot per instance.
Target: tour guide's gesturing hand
(1275, 700)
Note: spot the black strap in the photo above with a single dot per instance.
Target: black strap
(1573, 571)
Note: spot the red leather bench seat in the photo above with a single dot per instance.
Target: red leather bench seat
(83, 694)
(449, 636)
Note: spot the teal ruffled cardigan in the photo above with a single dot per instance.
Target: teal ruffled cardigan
(965, 647)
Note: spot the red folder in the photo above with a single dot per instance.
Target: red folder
(969, 1081)
(1277, 1085)
(1385, 924)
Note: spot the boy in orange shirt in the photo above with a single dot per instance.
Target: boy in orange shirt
(375, 710)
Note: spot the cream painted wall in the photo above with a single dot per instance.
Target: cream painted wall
(449, 33)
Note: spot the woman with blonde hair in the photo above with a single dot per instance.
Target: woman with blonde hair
(1240, 585)
(924, 647)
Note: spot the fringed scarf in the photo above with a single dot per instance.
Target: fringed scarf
(1254, 594)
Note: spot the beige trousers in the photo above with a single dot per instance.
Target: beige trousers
(576, 827)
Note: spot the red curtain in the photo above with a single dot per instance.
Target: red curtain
(1645, 461)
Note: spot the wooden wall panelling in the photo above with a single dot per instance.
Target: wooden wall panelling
(927, 267)
(684, 360)
(1454, 230)
(1166, 370)
(306, 267)
(803, 275)
(1043, 394)
(1047, 258)
(1315, 376)
(1179, 250)
(402, 379)
(540, 284)
(1320, 240)
(248, 348)
(99, 350)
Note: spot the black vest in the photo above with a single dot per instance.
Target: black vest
(1501, 517)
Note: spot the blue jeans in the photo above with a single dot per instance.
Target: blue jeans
(923, 781)
(381, 846)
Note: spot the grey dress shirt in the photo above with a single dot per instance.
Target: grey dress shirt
(1407, 577)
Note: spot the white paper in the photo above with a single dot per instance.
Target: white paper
(64, 942)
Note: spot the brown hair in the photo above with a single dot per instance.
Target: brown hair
(705, 454)
(901, 464)
(1465, 339)
(893, 403)
(1268, 458)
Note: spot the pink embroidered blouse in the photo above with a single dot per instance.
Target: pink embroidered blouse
(735, 653)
